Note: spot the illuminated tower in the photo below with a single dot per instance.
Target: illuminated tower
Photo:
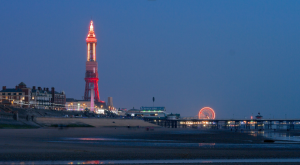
(91, 74)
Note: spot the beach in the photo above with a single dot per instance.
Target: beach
(119, 143)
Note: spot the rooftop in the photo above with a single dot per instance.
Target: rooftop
(11, 90)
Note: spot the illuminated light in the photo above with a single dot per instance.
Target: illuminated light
(91, 35)
(94, 51)
(88, 53)
(91, 27)
(206, 113)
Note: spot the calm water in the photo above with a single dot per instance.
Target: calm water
(280, 137)
(193, 145)
(282, 140)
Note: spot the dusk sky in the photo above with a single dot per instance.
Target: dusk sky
(238, 57)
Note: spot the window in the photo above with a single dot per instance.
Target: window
(3, 93)
(9, 93)
(20, 93)
(15, 93)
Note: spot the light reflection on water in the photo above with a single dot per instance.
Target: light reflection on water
(171, 161)
(111, 139)
(189, 145)
(276, 135)
(280, 139)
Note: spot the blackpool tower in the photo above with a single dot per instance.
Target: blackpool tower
(91, 74)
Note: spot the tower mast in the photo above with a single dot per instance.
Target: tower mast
(91, 74)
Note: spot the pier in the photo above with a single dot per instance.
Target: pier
(228, 123)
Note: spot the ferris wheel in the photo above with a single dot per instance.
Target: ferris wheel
(206, 113)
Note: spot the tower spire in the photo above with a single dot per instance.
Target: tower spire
(91, 35)
(91, 27)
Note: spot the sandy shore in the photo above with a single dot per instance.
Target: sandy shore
(96, 122)
(51, 144)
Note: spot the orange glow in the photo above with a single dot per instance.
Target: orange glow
(91, 35)
(91, 27)
(91, 43)
(94, 51)
(206, 113)
(88, 52)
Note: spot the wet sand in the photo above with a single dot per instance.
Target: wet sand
(53, 144)
(95, 122)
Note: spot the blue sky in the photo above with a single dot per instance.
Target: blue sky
(238, 57)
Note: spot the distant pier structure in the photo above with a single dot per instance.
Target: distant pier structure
(258, 124)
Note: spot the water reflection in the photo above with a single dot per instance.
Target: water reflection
(112, 139)
(276, 135)
(206, 144)
(90, 162)
(188, 145)
(92, 139)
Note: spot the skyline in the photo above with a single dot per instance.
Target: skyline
(188, 55)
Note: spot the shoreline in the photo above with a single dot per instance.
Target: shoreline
(36, 144)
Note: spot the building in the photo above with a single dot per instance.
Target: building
(39, 98)
(81, 105)
(46, 99)
(258, 116)
(91, 74)
(110, 104)
(150, 112)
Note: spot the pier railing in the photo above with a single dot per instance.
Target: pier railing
(260, 124)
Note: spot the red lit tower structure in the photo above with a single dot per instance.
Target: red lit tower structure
(91, 74)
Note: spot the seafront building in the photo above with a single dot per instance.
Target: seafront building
(151, 112)
(81, 105)
(22, 96)
(110, 104)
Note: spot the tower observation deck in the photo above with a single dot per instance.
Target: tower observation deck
(91, 74)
